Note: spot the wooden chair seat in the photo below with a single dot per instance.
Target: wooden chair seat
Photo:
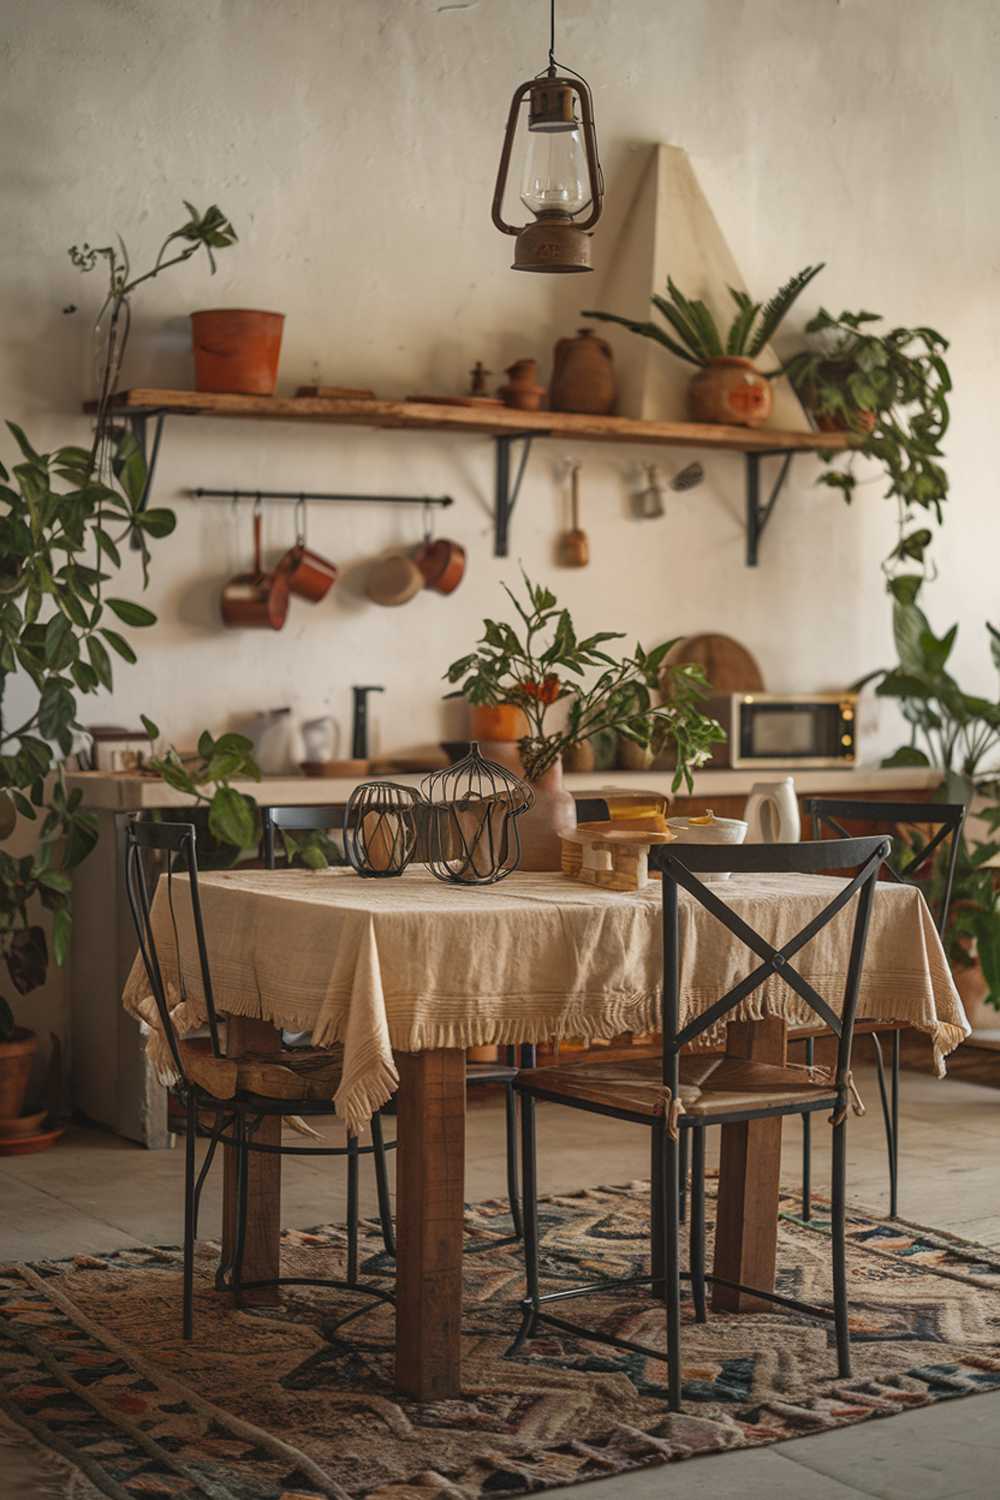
(803, 1033)
(304, 1073)
(710, 1085)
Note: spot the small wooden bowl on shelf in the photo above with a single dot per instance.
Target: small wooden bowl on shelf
(334, 767)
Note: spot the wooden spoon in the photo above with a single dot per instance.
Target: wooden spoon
(574, 548)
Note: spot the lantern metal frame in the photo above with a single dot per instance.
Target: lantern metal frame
(396, 810)
(556, 242)
(481, 787)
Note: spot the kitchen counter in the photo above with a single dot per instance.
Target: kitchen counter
(128, 791)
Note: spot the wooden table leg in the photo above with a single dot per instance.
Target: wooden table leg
(262, 1253)
(430, 1200)
(746, 1228)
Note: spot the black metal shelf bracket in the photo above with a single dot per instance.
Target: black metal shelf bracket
(758, 515)
(506, 493)
(137, 421)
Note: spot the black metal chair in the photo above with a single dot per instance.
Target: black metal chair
(210, 1082)
(720, 1091)
(829, 815)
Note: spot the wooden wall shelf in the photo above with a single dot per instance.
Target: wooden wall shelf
(506, 427)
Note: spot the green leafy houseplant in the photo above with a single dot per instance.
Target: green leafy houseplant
(891, 390)
(548, 664)
(958, 732)
(233, 819)
(692, 333)
(64, 517)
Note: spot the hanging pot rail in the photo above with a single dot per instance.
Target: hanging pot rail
(298, 495)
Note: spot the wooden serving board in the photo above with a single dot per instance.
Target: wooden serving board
(729, 667)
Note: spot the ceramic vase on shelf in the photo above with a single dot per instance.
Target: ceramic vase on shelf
(522, 390)
(583, 376)
(553, 813)
(730, 389)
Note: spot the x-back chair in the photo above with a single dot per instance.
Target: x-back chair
(672, 1095)
(944, 822)
(242, 1092)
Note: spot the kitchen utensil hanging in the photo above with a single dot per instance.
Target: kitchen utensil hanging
(258, 599)
(309, 575)
(574, 548)
(441, 562)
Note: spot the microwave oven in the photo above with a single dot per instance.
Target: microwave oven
(779, 730)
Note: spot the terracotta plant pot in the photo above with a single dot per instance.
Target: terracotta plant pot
(579, 759)
(505, 724)
(583, 376)
(730, 389)
(972, 988)
(864, 421)
(553, 814)
(15, 1069)
(236, 350)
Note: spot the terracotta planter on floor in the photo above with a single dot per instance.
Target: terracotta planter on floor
(971, 987)
(15, 1069)
(731, 390)
(236, 350)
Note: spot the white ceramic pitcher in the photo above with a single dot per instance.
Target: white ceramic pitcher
(772, 812)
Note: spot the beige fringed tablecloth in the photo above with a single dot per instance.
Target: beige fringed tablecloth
(411, 964)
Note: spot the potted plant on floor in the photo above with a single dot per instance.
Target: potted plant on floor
(64, 517)
(959, 733)
(546, 664)
(728, 386)
(891, 390)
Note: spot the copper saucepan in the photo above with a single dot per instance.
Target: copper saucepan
(257, 600)
(441, 562)
(309, 575)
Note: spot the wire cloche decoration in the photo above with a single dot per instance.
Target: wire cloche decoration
(474, 805)
(380, 828)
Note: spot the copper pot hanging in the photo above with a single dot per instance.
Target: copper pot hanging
(258, 599)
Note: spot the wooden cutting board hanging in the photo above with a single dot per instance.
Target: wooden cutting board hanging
(729, 667)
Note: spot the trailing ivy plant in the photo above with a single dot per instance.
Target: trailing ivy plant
(64, 517)
(890, 389)
(695, 336)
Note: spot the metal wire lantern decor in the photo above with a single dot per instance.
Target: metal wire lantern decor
(380, 828)
(473, 836)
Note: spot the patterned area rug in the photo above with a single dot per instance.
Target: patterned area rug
(98, 1390)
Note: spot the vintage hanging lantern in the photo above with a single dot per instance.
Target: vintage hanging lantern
(562, 175)
(380, 828)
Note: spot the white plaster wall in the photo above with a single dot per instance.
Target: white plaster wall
(354, 146)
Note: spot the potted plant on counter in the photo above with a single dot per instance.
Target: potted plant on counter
(546, 664)
(959, 733)
(728, 386)
(891, 390)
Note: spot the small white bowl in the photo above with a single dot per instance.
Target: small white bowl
(719, 831)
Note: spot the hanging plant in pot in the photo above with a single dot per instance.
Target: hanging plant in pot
(891, 390)
(545, 664)
(728, 386)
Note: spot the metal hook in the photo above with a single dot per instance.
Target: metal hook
(257, 504)
(428, 518)
(300, 520)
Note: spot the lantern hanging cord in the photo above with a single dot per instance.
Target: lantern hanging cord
(552, 35)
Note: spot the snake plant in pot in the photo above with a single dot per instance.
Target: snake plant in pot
(728, 386)
(571, 688)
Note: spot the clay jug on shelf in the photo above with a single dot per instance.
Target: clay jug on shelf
(583, 375)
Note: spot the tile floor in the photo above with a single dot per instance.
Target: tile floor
(95, 1192)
